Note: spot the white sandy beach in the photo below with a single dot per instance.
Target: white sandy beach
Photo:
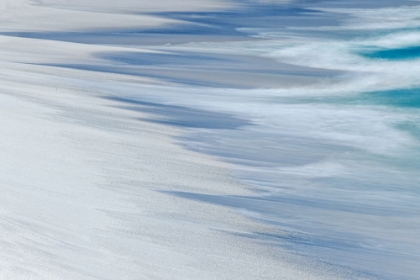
(83, 182)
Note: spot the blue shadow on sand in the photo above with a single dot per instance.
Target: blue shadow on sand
(335, 247)
(182, 116)
(219, 24)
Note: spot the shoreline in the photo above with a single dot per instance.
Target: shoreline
(220, 140)
(92, 201)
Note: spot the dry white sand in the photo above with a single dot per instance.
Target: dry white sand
(82, 182)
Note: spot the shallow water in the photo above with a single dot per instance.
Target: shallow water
(317, 105)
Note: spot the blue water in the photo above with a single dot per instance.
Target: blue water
(399, 98)
(406, 98)
(318, 113)
(411, 52)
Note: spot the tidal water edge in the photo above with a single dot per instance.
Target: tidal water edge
(315, 103)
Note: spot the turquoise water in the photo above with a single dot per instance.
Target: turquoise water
(405, 98)
(407, 53)
(399, 98)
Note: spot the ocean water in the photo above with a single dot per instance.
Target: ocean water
(315, 103)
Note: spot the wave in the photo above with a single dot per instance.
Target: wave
(334, 160)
